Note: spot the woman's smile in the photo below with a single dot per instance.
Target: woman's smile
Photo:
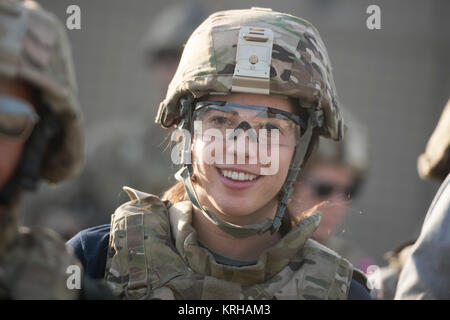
(236, 178)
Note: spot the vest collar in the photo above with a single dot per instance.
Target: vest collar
(270, 262)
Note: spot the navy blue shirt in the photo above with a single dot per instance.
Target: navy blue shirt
(91, 248)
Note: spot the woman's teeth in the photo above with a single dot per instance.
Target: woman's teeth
(240, 176)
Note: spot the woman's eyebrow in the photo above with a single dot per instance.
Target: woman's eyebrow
(224, 109)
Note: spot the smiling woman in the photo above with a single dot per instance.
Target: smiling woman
(231, 195)
(249, 82)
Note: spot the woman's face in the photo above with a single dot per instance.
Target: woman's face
(239, 193)
(306, 195)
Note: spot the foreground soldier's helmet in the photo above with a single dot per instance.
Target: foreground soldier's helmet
(34, 47)
(435, 161)
(256, 51)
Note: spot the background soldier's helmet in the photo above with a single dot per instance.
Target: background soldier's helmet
(435, 161)
(167, 39)
(34, 47)
(299, 64)
(352, 152)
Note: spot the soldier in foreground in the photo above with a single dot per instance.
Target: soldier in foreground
(40, 138)
(333, 177)
(423, 264)
(426, 270)
(224, 231)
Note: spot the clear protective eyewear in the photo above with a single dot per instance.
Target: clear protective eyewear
(270, 126)
(17, 118)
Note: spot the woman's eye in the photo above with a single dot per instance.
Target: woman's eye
(270, 126)
(219, 120)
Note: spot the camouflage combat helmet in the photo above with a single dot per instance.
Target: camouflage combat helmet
(168, 38)
(255, 51)
(352, 152)
(34, 47)
(435, 161)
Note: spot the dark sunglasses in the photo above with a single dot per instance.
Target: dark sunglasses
(325, 190)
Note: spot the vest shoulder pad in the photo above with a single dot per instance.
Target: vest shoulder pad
(141, 203)
(140, 230)
(357, 275)
(323, 255)
(310, 243)
(134, 194)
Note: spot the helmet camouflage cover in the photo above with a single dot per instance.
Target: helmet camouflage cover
(299, 64)
(34, 47)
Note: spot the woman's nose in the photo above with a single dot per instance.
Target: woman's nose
(241, 145)
(244, 127)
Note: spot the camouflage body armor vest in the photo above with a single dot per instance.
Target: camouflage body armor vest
(35, 267)
(154, 254)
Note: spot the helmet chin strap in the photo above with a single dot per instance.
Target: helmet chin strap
(294, 169)
(237, 231)
(28, 172)
(186, 172)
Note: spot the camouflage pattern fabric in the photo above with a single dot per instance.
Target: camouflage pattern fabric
(34, 47)
(34, 267)
(352, 253)
(145, 263)
(300, 67)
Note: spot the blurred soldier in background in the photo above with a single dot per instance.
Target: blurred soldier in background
(120, 150)
(331, 181)
(426, 271)
(425, 274)
(163, 46)
(40, 138)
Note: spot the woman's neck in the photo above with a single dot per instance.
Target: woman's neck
(213, 237)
